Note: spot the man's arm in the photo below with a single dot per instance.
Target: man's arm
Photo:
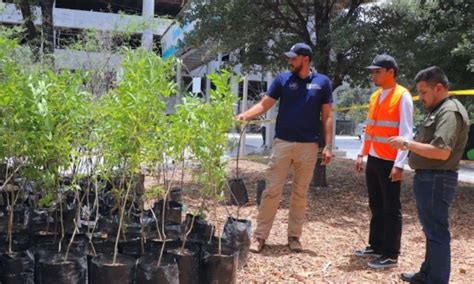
(444, 139)
(423, 149)
(328, 120)
(406, 130)
(258, 109)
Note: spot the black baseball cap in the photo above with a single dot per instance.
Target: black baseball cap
(300, 48)
(383, 61)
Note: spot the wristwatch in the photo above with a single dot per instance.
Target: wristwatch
(405, 145)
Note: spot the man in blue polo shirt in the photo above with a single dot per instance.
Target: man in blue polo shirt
(304, 97)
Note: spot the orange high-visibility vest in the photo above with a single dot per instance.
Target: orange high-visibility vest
(383, 121)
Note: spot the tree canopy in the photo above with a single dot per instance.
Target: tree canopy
(344, 35)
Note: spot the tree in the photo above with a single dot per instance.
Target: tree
(420, 35)
(37, 43)
(345, 35)
(262, 30)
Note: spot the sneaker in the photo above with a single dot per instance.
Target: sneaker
(383, 262)
(294, 244)
(368, 251)
(257, 245)
(416, 278)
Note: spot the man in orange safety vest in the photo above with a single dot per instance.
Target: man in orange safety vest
(390, 114)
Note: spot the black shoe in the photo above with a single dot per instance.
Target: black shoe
(383, 262)
(416, 278)
(368, 251)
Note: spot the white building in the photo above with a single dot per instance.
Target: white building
(72, 17)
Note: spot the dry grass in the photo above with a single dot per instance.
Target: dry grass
(337, 223)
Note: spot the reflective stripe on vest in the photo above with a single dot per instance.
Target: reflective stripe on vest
(379, 139)
(386, 123)
(383, 121)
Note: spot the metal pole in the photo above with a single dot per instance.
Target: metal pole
(148, 12)
(219, 60)
(208, 82)
(270, 127)
(244, 108)
(179, 80)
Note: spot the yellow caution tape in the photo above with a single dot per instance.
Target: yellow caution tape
(351, 107)
(462, 92)
(469, 92)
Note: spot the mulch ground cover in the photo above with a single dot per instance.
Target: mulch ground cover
(337, 224)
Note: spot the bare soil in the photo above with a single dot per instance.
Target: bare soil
(337, 224)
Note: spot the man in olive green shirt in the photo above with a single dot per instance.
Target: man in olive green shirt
(435, 156)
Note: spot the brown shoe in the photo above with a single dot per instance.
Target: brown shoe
(257, 245)
(294, 244)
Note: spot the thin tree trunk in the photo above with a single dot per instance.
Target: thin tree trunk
(48, 25)
(28, 22)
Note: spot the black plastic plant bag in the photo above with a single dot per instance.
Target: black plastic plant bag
(219, 268)
(99, 247)
(103, 271)
(17, 268)
(108, 225)
(94, 248)
(202, 231)
(52, 268)
(41, 239)
(175, 195)
(238, 192)
(50, 248)
(172, 231)
(155, 246)
(188, 260)
(43, 220)
(237, 233)
(148, 271)
(21, 241)
(20, 219)
(133, 247)
(172, 211)
(132, 230)
(69, 213)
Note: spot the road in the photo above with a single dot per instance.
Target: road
(351, 145)
(348, 144)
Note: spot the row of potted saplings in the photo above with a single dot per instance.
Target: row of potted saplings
(79, 239)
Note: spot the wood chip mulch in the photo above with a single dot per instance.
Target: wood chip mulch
(337, 224)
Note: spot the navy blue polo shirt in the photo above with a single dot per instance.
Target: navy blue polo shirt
(298, 117)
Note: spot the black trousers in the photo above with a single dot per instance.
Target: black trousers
(384, 203)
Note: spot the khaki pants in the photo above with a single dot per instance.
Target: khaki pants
(302, 156)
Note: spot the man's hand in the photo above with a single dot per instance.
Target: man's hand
(241, 117)
(327, 155)
(396, 142)
(396, 174)
(358, 163)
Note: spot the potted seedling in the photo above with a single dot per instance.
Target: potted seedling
(128, 130)
(219, 263)
(61, 107)
(16, 150)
